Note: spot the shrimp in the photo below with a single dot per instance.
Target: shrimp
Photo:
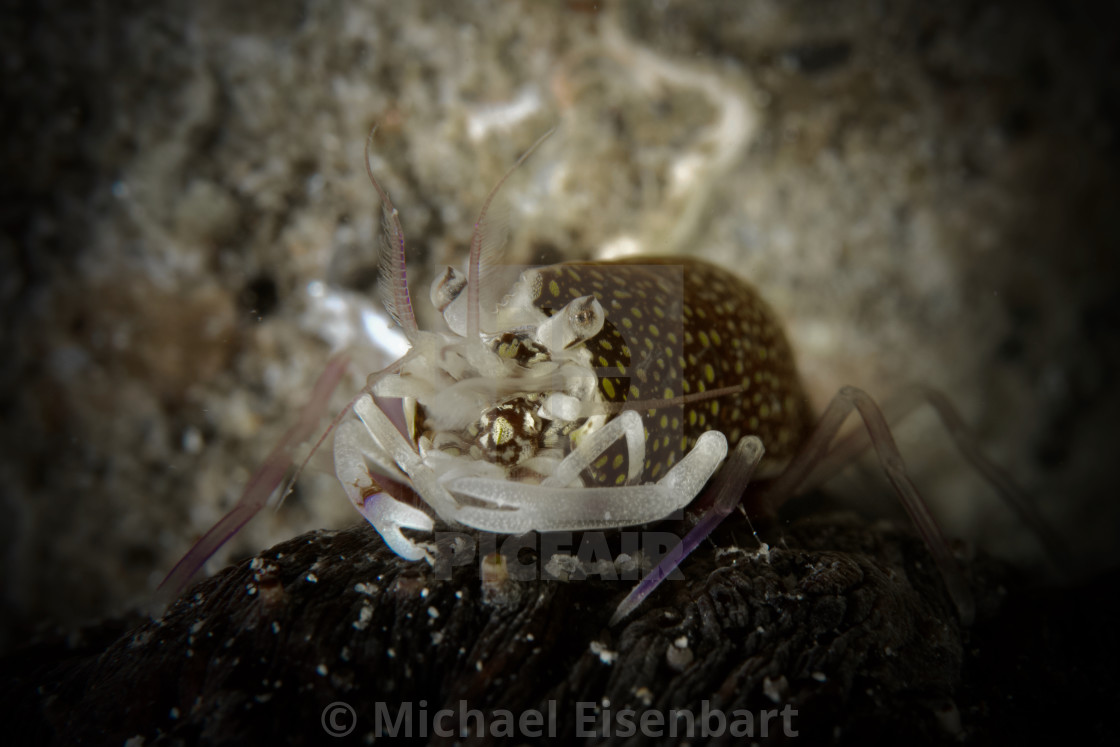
(591, 395)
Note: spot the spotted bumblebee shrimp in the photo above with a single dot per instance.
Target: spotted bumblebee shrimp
(587, 395)
(602, 401)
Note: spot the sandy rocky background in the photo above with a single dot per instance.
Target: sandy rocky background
(925, 193)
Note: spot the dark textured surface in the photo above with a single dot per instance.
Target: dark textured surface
(844, 623)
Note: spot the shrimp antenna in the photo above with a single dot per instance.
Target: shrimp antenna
(477, 240)
(393, 281)
(267, 477)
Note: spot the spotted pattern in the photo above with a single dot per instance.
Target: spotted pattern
(519, 347)
(508, 432)
(684, 327)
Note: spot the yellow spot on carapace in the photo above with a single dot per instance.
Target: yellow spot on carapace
(608, 388)
(601, 462)
(620, 479)
(621, 368)
(627, 323)
(716, 340)
(704, 339)
(603, 362)
(709, 373)
(635, 312)
(664, 421)
(671, 337)
(764, 411)
(657, 310)
(618, 460)
(634, 391)
(692, 417)
(668, 393)
(605, 345)
(715, 407)
(653, 330)
(554, 288)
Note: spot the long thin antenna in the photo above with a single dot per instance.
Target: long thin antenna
(473, 274)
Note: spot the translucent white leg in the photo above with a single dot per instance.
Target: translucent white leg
(728, 489)
(546, 508)
(421, 477)
(847, 400)
(386, 514)
(627, 425)
(264, 481)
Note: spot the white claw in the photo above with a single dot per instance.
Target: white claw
(559, 503)
(386, 514)
(627, 425)
(518, 507)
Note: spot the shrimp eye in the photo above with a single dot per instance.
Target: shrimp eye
(586, 317)
(579, 321)
(447, 287)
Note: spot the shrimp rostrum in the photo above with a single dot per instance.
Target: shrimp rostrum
(586, 396)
